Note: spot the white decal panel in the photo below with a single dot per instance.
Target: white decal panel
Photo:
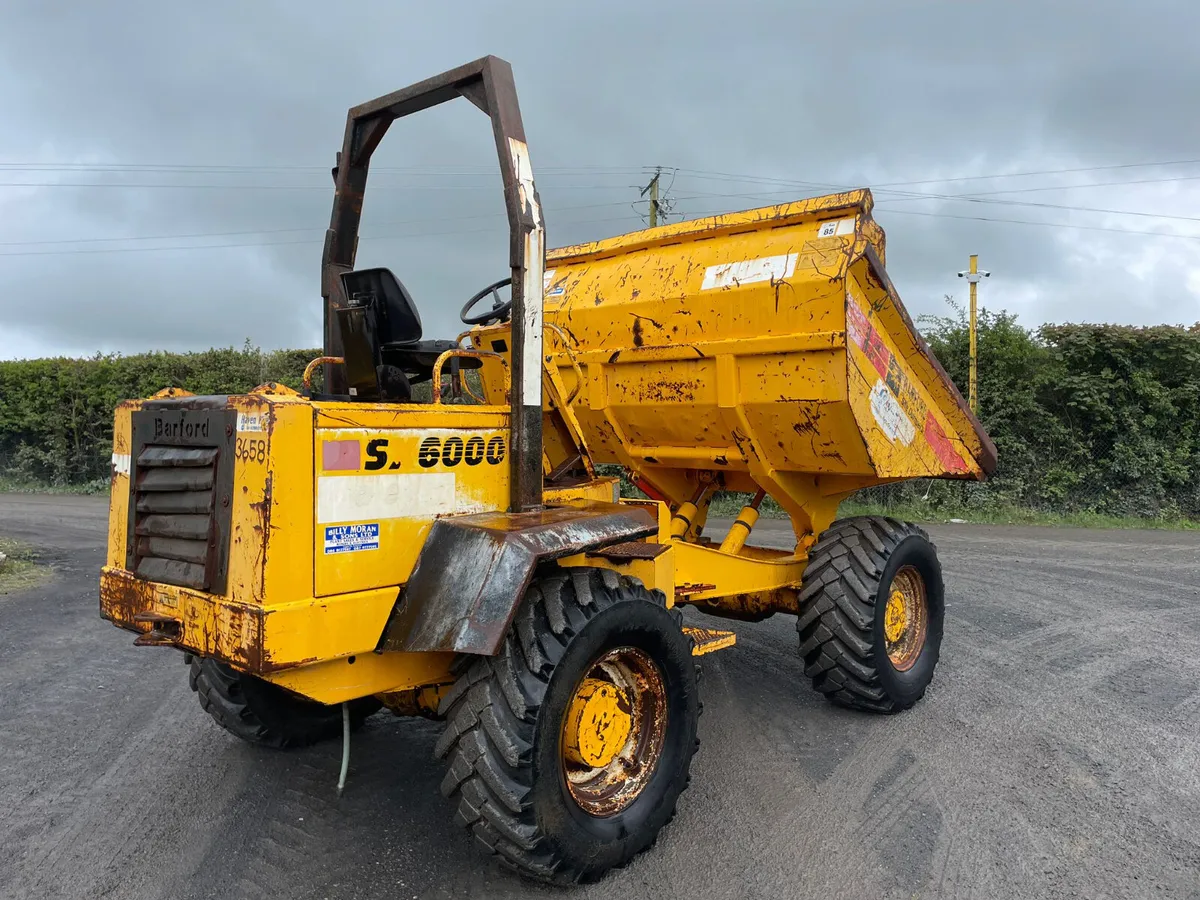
(251, 421)
(121, 463)
(836, 228)
(749, 271)
(891, 417)
(394, 496)
(535, 259)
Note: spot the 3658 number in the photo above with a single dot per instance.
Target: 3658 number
(251, 449)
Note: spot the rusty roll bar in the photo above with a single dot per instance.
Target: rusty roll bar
(447, 354)
(312, 367)
(488, 84)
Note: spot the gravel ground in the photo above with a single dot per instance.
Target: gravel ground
(1057, 753)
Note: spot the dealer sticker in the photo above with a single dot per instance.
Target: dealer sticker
(251, 421)
(351, 538)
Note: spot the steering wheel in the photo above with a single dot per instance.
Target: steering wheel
(498, 312)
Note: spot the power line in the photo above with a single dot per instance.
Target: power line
(751, 195)
(975, 198)
(542, 170)
(660, 202)
(731, 176)
(463, 171)
(936, 215)
(314, 241)
(277, 187)
(322, 170)
(206, 234)
(311, 241)
(1177, 162)
(913, 212)
(1075, 187)
(1057, 206)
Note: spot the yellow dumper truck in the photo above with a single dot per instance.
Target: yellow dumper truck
(319, 555)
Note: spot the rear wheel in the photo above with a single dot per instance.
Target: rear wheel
(568, 750)
(263, 713)
(871, 613)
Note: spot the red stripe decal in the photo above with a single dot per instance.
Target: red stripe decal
(942, 448)
(340, 456)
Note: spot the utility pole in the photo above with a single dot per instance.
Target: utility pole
(652, 188)
(973, 275)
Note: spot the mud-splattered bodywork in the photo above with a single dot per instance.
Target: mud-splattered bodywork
(767, 346)
(283, 531)
(346, 546)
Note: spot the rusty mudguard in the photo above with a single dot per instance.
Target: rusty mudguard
(473, 571)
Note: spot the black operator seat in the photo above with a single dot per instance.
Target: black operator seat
(396, 325)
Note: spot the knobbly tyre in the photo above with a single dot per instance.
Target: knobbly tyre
(320, 555)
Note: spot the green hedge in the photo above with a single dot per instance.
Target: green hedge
(1087, 418)
(56, 414)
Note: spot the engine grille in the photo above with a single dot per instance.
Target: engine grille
(174, 507)
(179, 498)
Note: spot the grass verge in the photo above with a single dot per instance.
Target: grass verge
(728, 506)
(9, 485)
(21, 570)
(1009, 515)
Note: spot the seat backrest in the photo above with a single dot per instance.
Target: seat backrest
(396, 318)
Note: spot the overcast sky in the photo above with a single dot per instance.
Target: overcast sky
(164, 166)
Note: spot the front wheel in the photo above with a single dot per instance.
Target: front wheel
(871, 611)
(568, 750)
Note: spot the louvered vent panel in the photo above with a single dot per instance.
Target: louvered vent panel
(173, 503)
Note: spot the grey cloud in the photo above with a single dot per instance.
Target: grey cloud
(853, 93)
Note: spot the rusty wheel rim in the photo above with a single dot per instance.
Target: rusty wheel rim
(906, 619)
(614, 731)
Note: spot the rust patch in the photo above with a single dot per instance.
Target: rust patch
(630, 550)
(685, 589)
(121, 603)
(261, 510)
(157, 612)
(165, 631)
(706, 640)
(638, 331)
(473, 570)
(663, 391)
(422, 701)
(751, 607)
(806, 427)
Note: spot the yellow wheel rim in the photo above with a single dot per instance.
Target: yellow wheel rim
(598, 723)
(614, 730)
(905, 619)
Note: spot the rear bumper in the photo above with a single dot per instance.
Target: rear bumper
(248, 636)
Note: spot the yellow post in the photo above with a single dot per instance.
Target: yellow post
(974, 270)
(973, 275)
